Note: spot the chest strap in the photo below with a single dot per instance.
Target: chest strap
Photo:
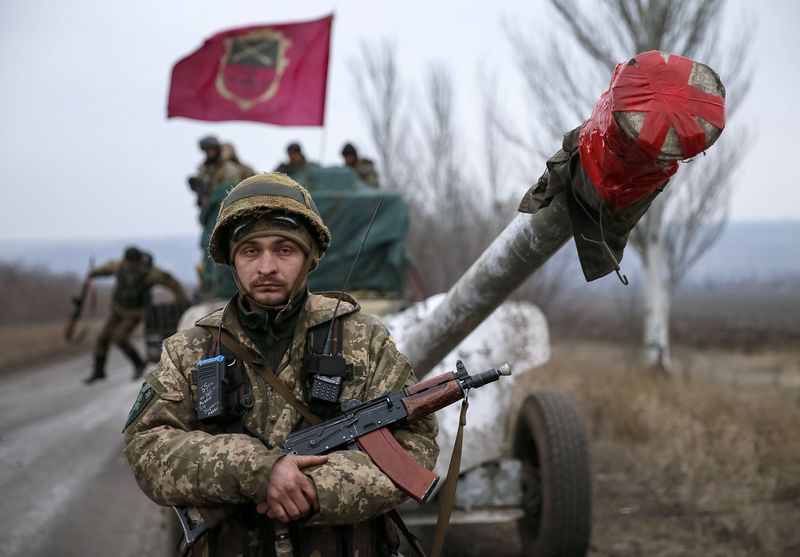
(277, 385)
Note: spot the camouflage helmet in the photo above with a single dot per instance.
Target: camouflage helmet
(209, 142)
(133, 254)
(261, 194)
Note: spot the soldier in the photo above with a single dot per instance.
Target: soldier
(220, 166)
(221, 171)
(365, 168)
(135, 276)
(270, 232)
(296, 163)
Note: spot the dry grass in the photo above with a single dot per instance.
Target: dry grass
(683, 466)
(24, 345)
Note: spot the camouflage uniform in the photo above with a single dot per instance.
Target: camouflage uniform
(365, 169)
(179, 461)
(128, 304)
(225, 170)
(296, 170)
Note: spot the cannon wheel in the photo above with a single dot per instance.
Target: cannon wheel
(551, 442)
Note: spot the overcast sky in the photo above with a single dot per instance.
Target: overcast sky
(87, 150)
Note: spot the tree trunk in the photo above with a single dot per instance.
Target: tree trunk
(656, 291)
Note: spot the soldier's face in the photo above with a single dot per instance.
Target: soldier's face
(212, 153)
(268, 267)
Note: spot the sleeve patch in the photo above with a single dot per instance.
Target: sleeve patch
(144, 397)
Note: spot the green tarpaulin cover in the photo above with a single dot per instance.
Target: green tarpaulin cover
(346, 205)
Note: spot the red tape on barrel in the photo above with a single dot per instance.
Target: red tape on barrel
(624, 171)
(661, 89)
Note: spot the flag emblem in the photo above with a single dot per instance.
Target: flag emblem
(275, 74)
(251, 69)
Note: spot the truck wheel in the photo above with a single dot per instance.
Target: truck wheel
(552, 445)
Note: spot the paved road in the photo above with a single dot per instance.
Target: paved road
(66, 487)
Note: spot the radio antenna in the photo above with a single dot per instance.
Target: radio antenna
(327, 348)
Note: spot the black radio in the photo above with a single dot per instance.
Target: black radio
(210, 402)
(329, 372)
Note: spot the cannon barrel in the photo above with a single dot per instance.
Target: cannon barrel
(659, 108)
(524, 246)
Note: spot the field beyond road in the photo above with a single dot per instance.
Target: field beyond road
(704, 463)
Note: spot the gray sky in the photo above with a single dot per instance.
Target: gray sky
(88, 151)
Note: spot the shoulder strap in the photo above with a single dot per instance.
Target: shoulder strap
(246, 356)
(449, 489)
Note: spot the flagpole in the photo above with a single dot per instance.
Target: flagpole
(322, 138)
(324, 132)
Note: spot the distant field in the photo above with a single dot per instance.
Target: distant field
(747, 317)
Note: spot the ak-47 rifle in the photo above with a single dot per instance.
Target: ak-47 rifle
(364, 424)
(71, 332)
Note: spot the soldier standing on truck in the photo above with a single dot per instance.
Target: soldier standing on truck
(220, 166)
(220, 171)
(272, 331)
(296, 163)
(135, 276)
(365, 168)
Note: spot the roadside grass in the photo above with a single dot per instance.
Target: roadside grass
(717, 468)
(24, 345)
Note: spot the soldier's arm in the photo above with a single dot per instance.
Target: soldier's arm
(172, 461)
(165, 279)
(105, 270)
(350, 487)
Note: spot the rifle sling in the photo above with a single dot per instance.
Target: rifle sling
(449, 489)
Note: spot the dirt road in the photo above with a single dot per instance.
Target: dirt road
(66, 487)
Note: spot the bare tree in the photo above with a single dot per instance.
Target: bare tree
(454, 215)
(381, 96)
(590, 39)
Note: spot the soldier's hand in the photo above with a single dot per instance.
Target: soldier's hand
(291, 495)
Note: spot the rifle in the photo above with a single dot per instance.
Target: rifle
(200, 185)
(78, 302)
(365, 424)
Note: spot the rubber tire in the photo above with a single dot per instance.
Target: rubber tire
(552, 444)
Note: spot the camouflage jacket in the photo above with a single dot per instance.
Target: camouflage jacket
(365, 169)
(137, 283)
(222, 172)
(178, 461)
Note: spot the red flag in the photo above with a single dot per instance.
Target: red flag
(275, 74)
